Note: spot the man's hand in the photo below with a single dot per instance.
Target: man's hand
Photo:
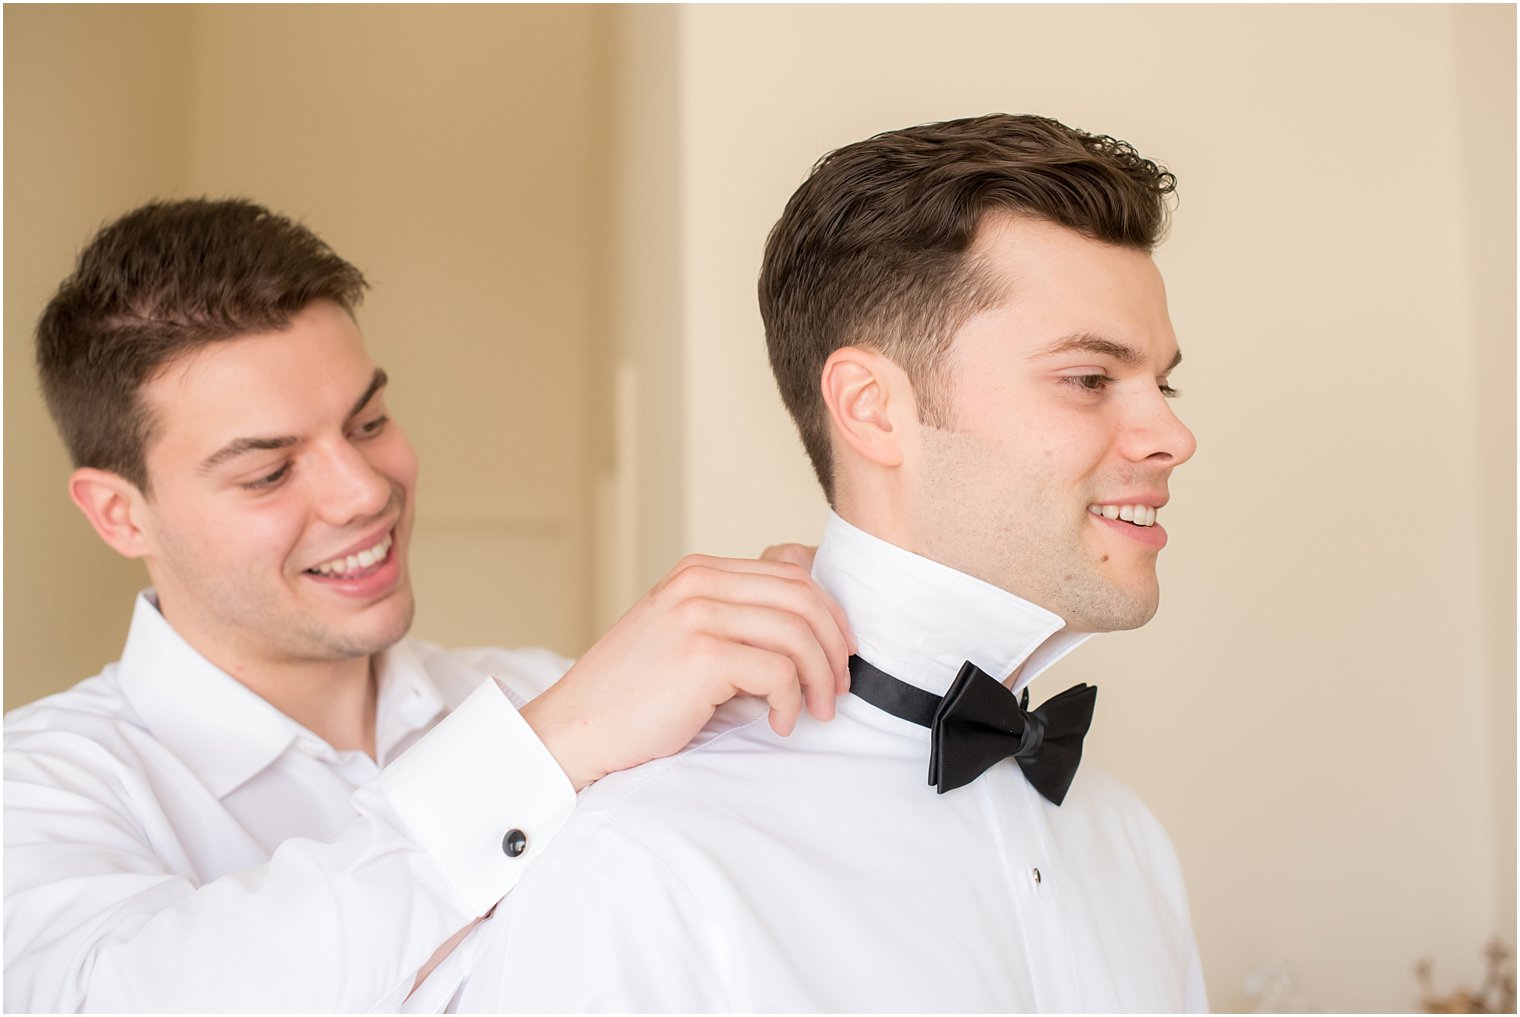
(712, 629)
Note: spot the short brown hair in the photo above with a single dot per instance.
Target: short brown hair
(159, 282)
(872, 248)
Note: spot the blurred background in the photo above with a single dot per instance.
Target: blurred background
(562, 209)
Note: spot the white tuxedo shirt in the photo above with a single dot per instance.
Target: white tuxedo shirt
(821, 872)
(175, 843)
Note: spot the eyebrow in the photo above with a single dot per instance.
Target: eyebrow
(242, 446)
(1087, 342)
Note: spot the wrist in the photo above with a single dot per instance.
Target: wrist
(567, 735)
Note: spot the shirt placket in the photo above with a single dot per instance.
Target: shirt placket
(1034, 875)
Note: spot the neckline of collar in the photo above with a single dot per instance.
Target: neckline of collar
(224, 731)
(919, 620)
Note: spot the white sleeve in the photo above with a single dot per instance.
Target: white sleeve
(99, 917)
(601, 925)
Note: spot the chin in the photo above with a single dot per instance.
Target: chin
(1112, 610)
(396, 625)
(379, 633)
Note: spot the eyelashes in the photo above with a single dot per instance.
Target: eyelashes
(1100, 382)
(268, 481)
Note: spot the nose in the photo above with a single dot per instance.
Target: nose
(353, 489)
(1155, 434)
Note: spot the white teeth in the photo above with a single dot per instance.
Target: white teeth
(354, 562)
(1140, 515)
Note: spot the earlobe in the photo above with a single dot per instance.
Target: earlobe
(864, 393)
(114, 506)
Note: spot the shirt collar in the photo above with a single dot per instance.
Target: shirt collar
(408, 700)
(224, 731)
(920, 621)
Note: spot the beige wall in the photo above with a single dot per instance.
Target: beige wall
(454, 154)
(562, 211)
(94, 124)
(1323, 713)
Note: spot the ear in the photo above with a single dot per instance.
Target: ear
(114, 506)
(870, 404)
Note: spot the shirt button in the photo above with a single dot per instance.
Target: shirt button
(514, 843)
(1034, 874)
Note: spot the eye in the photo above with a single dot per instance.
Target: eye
(1087, 382)
(370, 428)
(268, 481)
(1167, 390)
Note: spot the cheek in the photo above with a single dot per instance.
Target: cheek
(228, 539)
(1074, 445)
(272, 530)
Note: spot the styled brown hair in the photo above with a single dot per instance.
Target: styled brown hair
(872, 249)
(159, 282)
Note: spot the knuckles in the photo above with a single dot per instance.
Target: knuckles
(778, 673)
(693, 614)
(691, 575)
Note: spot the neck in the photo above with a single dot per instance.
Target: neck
(333, 699)
(874, 504)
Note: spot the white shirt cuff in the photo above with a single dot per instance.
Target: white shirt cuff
(481, 795)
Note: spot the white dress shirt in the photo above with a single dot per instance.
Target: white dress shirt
(821, 872)
(174, 842)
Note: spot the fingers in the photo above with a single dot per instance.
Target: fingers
(770, 676)
(786, 570)
(776, 585)
(781, 633)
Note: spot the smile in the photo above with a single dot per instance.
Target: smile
(1140, 515)
(356, 565)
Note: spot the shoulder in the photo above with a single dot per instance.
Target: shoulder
(83, 743)
(457, 672)
(735, 774)
(93, 711)
(656, 825)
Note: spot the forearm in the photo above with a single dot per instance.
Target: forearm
(340, 925)
(101, 915)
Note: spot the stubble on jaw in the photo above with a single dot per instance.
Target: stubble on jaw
(254, 621)
(1033, 543)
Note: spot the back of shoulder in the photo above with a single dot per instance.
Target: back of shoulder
(721, 758)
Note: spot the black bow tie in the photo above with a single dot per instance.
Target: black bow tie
(979, 722)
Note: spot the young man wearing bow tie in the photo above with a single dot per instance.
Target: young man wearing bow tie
(966, 324)
(225, 819)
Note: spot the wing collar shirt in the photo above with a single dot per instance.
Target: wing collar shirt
(174, 842)
(820, 872)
